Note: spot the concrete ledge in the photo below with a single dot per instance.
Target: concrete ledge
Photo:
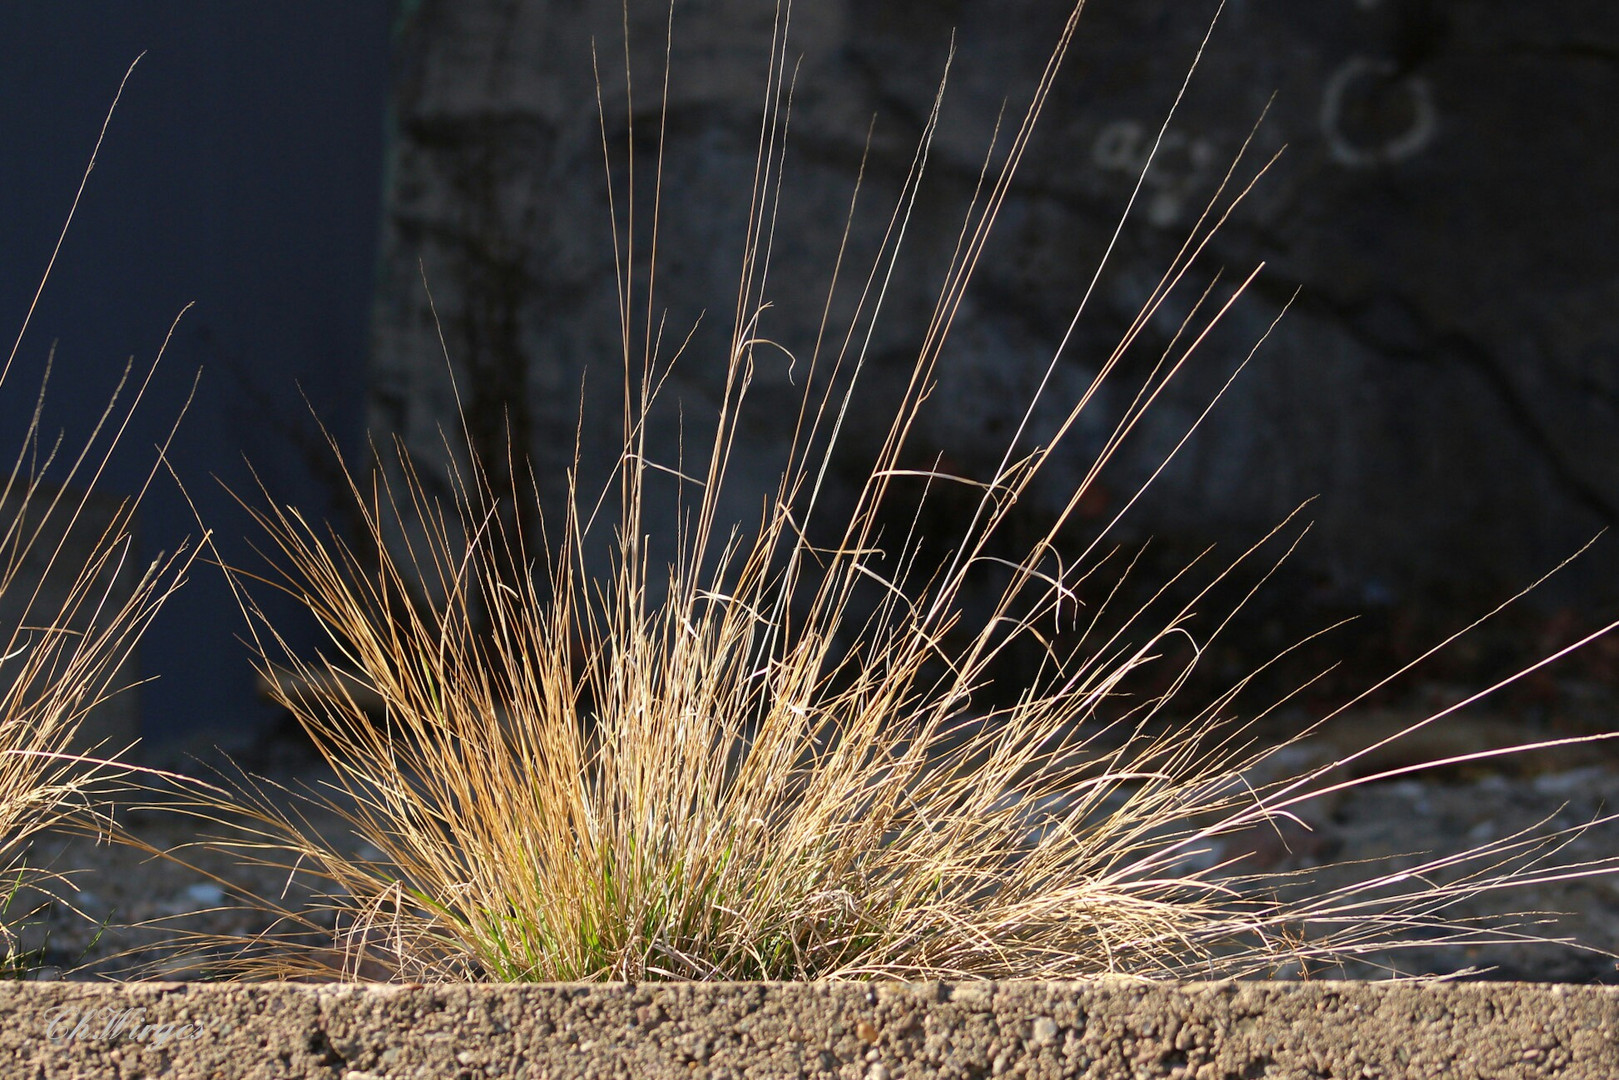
(654, 1031)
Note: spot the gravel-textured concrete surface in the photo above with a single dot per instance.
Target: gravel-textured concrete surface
(1198, 1031)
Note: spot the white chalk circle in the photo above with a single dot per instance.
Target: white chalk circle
(1417, 135)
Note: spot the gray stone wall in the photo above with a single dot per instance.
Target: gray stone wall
(39, 601)
(1445, 380)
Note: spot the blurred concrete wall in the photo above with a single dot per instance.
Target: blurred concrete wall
(1445, 380)
(242, 172)
(48, 599)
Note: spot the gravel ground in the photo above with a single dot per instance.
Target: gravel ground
(1391, 824)
(93, 926)
(1378, 826)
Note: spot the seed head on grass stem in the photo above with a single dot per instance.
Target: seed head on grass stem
(778, 756)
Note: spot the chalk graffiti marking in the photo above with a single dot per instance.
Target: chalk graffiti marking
(1355, 74)
(1182, 163)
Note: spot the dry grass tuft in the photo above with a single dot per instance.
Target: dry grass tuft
(777, 759)
(73, 614)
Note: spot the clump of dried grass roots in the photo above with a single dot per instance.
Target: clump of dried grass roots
(772, 758)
